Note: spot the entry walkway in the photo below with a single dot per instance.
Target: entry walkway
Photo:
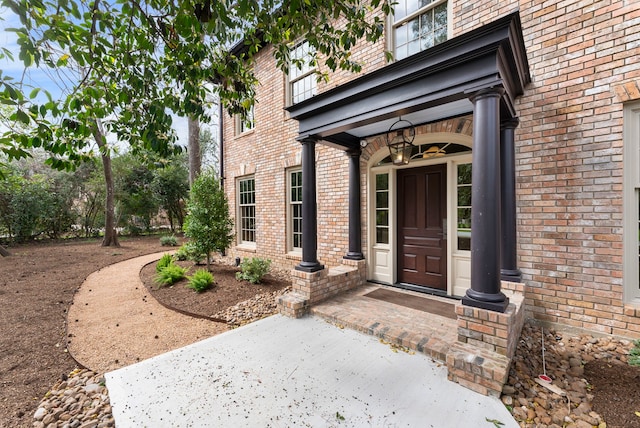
(282, 372)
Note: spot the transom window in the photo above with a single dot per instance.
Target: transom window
(247, 210)
(418, 25)
(431, 150)
(302, 79)
(295, 210)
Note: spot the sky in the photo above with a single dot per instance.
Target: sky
(42, 79)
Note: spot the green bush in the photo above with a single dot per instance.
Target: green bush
(208, 223)
(200, 281)
(169, 275)
(188, 251)
(168, 241)
(634, 354)
(253, 269)
(164, 261)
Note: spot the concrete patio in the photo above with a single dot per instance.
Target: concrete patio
(282, 372)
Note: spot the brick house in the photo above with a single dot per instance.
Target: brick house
(530, 109)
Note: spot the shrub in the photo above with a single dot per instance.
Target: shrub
(208, 223)
(169, 275)
(634, 354)
(188, 251)
(200, 281)
(253, 269)
(168, 241)
(164, 261)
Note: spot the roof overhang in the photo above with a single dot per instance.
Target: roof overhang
(432, 85)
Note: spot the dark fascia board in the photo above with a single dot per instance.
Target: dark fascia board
(501, 37)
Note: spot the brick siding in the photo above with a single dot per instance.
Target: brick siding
(584, 67)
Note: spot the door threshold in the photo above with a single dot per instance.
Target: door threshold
(423, 290)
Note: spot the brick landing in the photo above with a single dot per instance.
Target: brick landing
(477, 347)
(421, 331)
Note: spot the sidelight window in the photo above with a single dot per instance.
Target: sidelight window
(382, 208)
(464, 207)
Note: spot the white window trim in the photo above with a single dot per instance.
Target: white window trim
(631, 195)
(238, 122)
(289, 81)
(291, 250)
(391, 23)
(248, 245)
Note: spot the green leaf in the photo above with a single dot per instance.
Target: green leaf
(34, 93)
(22, 117)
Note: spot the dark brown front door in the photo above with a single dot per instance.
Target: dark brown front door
(422, 245)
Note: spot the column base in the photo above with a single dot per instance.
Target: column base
(497, 306)
(353, 256)
(309, 267)
(511, 275)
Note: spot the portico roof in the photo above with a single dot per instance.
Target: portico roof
(432, 85)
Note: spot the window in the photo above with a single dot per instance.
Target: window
(247, 210)
(418, 25)
(382, 208)
(463, 228)
(247, 124)
(302, 79)
(294, 201)
(631, 203)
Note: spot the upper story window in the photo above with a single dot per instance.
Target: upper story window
(247, 210)
(302, 79)
(246, 124)
(418, 25)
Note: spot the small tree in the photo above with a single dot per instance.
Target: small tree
(208, 223)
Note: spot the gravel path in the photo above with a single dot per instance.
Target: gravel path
(113, 323)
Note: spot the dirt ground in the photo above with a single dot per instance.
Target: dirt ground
(37, 284)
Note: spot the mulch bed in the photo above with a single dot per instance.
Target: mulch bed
(226, 292)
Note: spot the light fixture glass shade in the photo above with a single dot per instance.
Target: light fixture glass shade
(400, 142)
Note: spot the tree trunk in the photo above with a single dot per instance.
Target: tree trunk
(110, 233)
(4, 252)
(195, 160)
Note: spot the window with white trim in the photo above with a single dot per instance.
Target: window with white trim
(246, 124)
(294, 203)
(631, 203)
(382, 208)
(418, 25)
(463, 211)
(302, 78)
(247, 210)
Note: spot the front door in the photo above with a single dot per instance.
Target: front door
(422, 244)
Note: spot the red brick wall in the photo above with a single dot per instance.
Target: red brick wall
(583, 63)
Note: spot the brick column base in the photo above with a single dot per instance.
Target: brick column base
(310, 288)
(487, 341)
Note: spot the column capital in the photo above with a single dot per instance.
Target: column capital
(493, 92)
(510, 124)
(306, 139)
(354, 152)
